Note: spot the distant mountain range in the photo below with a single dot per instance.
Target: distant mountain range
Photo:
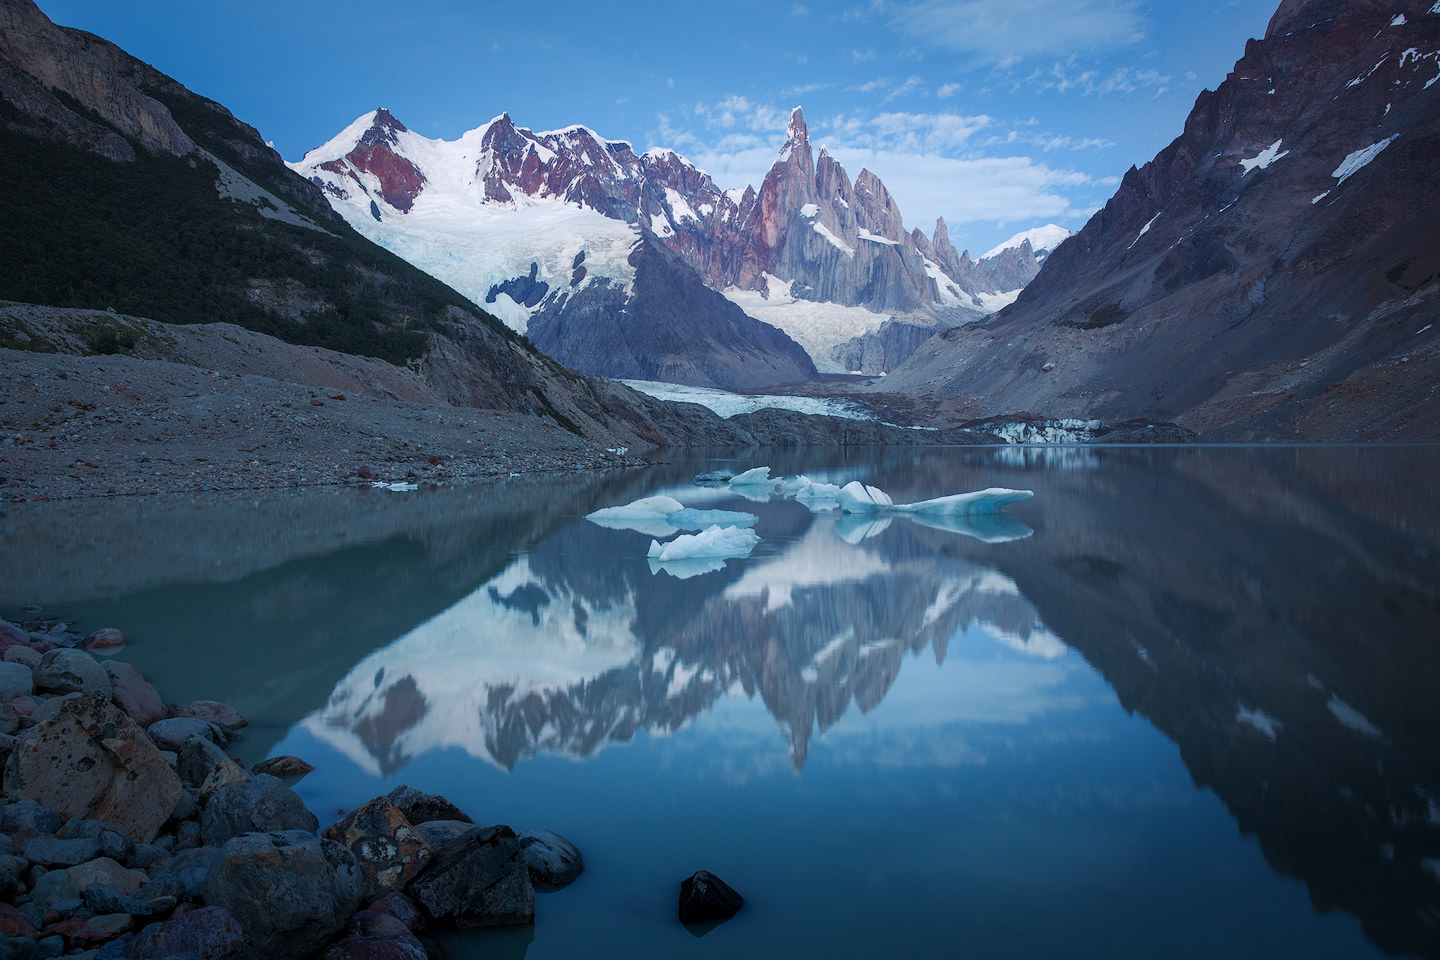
(588, 248)
(1274, 273)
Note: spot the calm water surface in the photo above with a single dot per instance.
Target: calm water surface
(1179, 704)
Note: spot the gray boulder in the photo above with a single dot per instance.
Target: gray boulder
(290, 890)
(552, 859)
(72, 671)
(16, 680)
(29, 817)
(254, 806)
(55, 852)
(374, 935)
(479, 879)
(171, 734)
(421, 807)
(437, 833)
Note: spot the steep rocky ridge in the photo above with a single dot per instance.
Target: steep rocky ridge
(1272, 274)
(470, 211)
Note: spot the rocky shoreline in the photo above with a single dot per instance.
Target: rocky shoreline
(127, 831)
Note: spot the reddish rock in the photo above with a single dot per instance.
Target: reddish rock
(102, 929)
(134, 694)
(11, 635)
(387, 849)
(68, 928)
(13, 923)
(401, 907)
(283, 767)
(105, 640)
(94, 761)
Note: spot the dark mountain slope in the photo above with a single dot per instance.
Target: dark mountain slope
(1272, 274)
(125, 190)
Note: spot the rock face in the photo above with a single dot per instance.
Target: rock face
(1272, 274)
(666, 325)
(290, 891)
(479, 879)
(93, 761)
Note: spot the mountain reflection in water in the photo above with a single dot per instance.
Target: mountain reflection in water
(1273, 612)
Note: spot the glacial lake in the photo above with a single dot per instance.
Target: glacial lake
(1182, 703)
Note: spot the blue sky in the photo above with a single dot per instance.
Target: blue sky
(998, 115)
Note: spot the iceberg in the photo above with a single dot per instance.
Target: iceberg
(646, 515)
(685, 569)
(756, 477)
(857, 497)
(717, 542)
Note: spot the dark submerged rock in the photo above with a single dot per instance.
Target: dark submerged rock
(704, 896)
(552, 860)
(479, 879)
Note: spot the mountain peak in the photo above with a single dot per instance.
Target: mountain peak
(383, 127)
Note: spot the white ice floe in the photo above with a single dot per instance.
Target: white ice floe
(857, 497)
(398, 486)
(662, 516)
(1353, 719)
(755, 476)
(690, 555)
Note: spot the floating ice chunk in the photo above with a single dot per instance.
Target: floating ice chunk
(692, 519)
(816, 494)
(855, 527)
(758, 476)
(398, 486)
(718, 542)
(856, 497)
(646, 515)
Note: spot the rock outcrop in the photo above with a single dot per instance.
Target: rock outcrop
(1272, 274)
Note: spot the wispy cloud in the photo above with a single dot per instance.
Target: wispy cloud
(948, 90)
(1007, 32)
(861, 56)
(1068, 76)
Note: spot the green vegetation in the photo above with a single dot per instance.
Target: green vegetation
(153, 238)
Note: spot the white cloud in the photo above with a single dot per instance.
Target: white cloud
(1066, 76)
(798, 10)
(1001, 31)
(861, 56)
(948, 90)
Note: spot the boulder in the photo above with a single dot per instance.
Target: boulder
(187, 869)
(372, 935)
(48, 708)
(437, 833)
(387, 849)
(400, 906)
(72, 671)
(27, 816)
(113, 843)
(16, 680)
(106, 872)
(54, 887)
(290, 890)
(11, 635)
(134, 694)
(172, 734)
(704, 896)
(479, 879)
(223, 715)
(421, 807)
(209, 932)
(197, 758)
(105, 640)
(102, 899)
(101, 928)
(551, 858)
(283, 767)
(93, 761)
(223, 776)
(254, 806)
(55, 852)
(26, 655)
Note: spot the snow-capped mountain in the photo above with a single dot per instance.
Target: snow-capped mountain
(1274, 273)
(537, 225)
